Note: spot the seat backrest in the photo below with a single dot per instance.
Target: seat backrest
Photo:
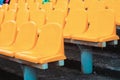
(22, 4)
(76, 22)
(13, 1)
(13, 6)
(10, 15)
(50, 40)
(103, 24)
(56, 16)
(26, 36)
(115, 5)
(22, 16)
(38, 16)
(64, 4)
(36, 6)
(96, 5)
(2, 14)
(76, 4)
(8, 33)
(47, 6)
(5, 7)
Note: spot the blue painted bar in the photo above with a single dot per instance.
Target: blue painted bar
(86, 62)
(29, 73)
(86, 59)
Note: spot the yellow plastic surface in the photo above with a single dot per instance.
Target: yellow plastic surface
(25, 40)
(101, 30)
(1, 16)
(47, 6)
(49, 46)
(76, 23)
(10, 15)
(5, 7)
(76, 4)
(115, 5)
(38, 16)
(64, 4)
(8, 33)
(22, 16)
(56, 16)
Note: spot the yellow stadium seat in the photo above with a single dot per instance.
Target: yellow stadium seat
(38, 16)
(76, 4)
(101, 30)
(1, 16)
(76, 23)
(10, 15)
(40, 1)
(46, 6)
(22, 16)
(5, 7)
(30, 2)
(56, 16)
(36, 6)
(96, 5)
(49, 47)
(8, 33)
(13, 6)
(25, 40)
(61, 5)
(53, 2)
(115, 5)
(22, 4)
(13, 1)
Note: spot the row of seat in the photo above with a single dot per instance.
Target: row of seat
(101, 28)
(24, 43)
(21, 38)
(26, 33)
(85, 19)
(73, 5)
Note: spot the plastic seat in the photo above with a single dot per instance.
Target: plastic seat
(101, 30)
(76, 4)
(22, 4)
(63, 3)
(1, 16)
(114, 4)
(13, 1)
(46, 6)
(56, 16)
(10, 15)
(8, 33)
(76, 23)
(64, 6)
(22, 16)
(5, 7)
(53, 2)
(36, 6)
(13, 4)
(25, 40)
(96, 5)
(38, 18)
(49, 46)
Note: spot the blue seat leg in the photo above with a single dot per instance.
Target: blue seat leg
(86, 60)
(29, 73)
